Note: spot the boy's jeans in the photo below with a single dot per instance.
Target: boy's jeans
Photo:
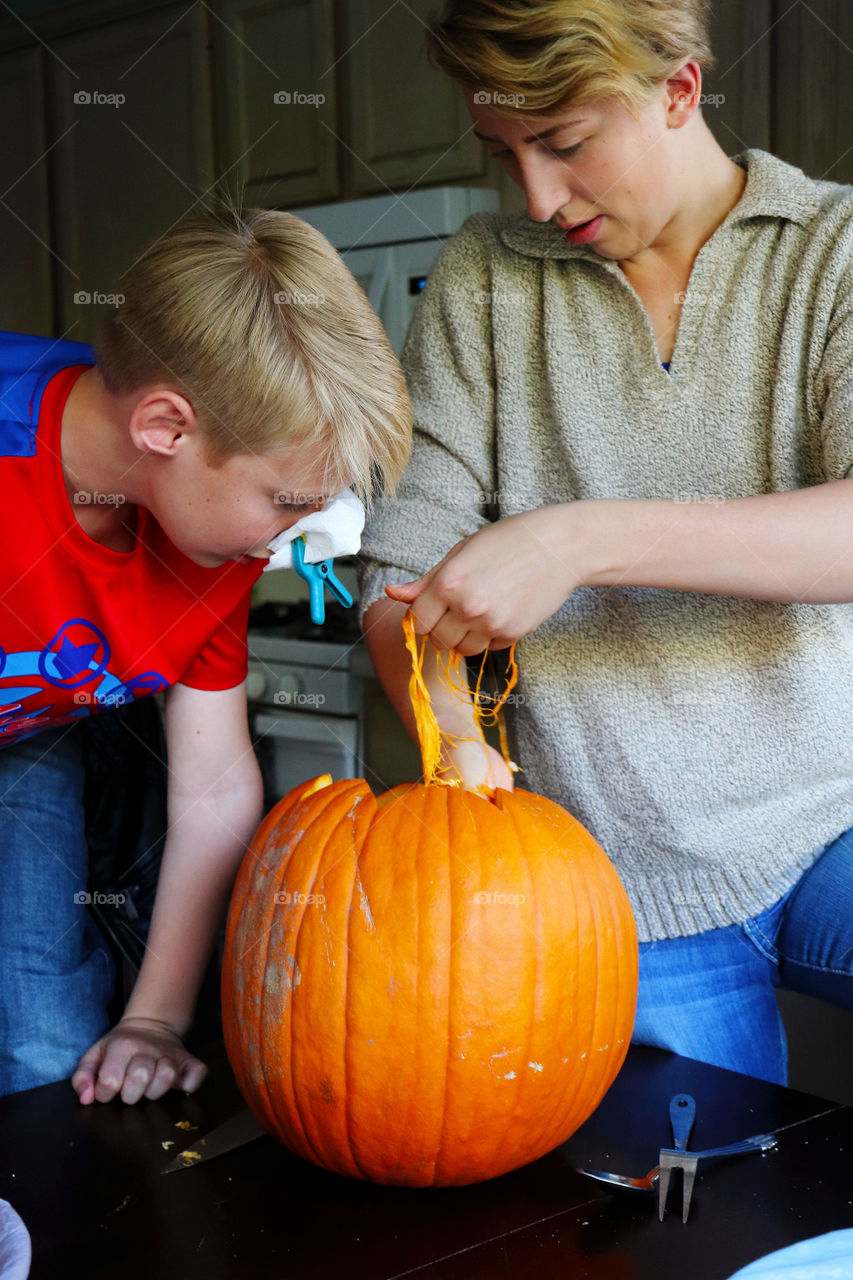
(56, 974)
(710, 996)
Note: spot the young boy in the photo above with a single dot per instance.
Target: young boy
(242, 381)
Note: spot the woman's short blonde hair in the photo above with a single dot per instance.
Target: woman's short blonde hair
(255, 319)
(534, 56)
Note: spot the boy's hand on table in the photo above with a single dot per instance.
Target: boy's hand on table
(140, 1057)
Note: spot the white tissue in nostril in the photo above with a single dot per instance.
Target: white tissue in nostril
(334, 530)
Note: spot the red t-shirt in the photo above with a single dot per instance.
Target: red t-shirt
(83, 627)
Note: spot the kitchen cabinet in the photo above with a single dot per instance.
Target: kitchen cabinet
(129, 107)
(286, 103)
(276, 100)
(409, 123)
(813, 78)
(738, 110)
(785, 80)
(26, 256)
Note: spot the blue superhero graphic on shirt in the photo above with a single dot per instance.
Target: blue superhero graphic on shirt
(76, 659)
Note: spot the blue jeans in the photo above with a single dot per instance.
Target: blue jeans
(56, 974)
(711, 995)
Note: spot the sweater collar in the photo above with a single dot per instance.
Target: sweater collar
(773, 189)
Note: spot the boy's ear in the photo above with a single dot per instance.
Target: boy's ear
(161, 422)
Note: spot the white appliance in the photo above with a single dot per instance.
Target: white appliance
(390, 242)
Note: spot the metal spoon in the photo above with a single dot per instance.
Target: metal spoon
(759, 1142)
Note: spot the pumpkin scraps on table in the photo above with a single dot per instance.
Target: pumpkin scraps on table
(431, 987)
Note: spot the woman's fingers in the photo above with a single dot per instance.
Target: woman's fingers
(409, 591)
(497, 585)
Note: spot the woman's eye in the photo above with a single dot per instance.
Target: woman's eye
(506, 155)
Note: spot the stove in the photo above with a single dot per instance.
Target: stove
(306, 688)
(296, 664)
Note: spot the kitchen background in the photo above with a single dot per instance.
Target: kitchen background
(119, 118)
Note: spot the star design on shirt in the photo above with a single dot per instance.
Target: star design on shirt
(73, 658)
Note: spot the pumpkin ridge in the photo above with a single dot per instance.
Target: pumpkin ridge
(414, 813)
(555, 1132)
(618, 967)
(248, 870)
(262, 1049)
(511, 814)
(620, 972)
(486, 867)
(350, 1037)
(573, 828)
(606, 1078)
(286, 1066)
(342, 791)
(451, 988)
(437, 799)
(297, 1109)
(580, 899)
(441, 799)
(360, 826)
(553, 1126)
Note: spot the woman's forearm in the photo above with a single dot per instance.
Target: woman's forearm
(386, 645)
(789, 547)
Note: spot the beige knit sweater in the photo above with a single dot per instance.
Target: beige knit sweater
(706, 741)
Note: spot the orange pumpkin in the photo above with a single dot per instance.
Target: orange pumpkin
(427, 989)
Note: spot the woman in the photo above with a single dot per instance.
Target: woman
(634, 428)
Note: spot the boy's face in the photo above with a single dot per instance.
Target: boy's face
(594, 161)
(231, 511)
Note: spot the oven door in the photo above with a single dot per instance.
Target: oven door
(293, 747)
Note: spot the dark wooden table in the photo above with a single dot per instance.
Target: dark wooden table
(86, 1181)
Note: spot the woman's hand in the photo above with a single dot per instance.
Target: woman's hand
(478, 765)
(139, 1057)
(500, 583)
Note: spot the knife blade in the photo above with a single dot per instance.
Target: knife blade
(233, 1133)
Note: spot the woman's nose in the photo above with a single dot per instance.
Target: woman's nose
(545, 190)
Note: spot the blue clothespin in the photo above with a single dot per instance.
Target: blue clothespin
(318, 576)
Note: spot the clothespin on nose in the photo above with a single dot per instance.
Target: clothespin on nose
(318, 576)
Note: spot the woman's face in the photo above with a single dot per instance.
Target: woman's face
(593, 162)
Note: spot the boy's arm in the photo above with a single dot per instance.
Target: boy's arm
(383, 634)
(215, 802)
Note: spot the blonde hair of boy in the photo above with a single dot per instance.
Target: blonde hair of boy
(537, 56)
(255, 319)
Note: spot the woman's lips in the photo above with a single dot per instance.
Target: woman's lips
(586, 232)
